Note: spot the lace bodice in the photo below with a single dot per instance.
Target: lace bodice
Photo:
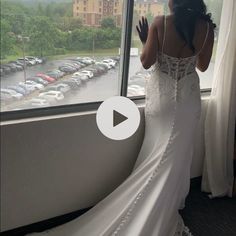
(175, 67)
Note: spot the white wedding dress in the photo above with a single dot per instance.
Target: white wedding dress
(147, 202)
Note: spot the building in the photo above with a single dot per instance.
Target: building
(93, 11)
(153, 7)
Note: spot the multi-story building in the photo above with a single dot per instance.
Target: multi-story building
(144, 7)
(93, 11)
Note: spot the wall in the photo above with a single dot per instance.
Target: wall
(57, 165)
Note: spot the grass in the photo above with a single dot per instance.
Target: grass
(98, 52)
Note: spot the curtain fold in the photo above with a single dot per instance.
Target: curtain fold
(217, 177)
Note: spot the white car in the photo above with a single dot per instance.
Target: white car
(61, 87)
(85, 60)
(103, 64)
(12, 93)
(36, 59)
(80, 76)
(135, 90)
(88, 73)
(52, 95)
(38, 102)
(32, 84)
(28, 87)
(107, 64)
(89, 59)
(110, 62)
(31, 62)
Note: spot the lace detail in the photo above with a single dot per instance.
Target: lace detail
(174, 67)
(182, 230)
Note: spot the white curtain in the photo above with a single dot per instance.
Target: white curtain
(217, 176)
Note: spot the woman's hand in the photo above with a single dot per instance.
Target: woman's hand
(143, 29)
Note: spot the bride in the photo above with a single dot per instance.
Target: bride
(147, 202)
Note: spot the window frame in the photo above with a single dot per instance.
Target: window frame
(123, 76)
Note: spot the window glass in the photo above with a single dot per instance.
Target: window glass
(59, 52)
(137, 75)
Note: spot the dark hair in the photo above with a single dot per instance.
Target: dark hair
(186, 14)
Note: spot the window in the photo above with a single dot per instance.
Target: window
(52, 56)
(83, 59)
(137, 74)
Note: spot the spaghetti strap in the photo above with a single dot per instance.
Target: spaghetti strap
(208, 27)
(164, 36)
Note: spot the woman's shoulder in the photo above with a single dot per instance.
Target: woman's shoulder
(158, 20)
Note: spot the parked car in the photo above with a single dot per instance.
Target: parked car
(115, 58)
(36, 59)
(46, 77)
(12, 93)
(33, 84)
(79, 62)
(104, 65)
(89, 59)
(18, 67)
(84, 61)
(61, 87)
(39, 102)
(6, 69)
(88, 73)
(55, 74)
(2, 73)
(73, 83)
(135, 92)
(110, 62)
(11, 67)
(100, 69)
(18, 89)
(81, 77)
(39, 80)
(67, 69)
(27, 61)
(73, 65)
(95, 71)
(29, 88)
(52, 96)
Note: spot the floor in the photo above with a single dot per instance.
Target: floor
(203, 216)
(209, 217)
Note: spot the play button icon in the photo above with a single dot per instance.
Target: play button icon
(118, 118)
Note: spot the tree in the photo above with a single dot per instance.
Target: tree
(42, 35)
(7, 40)
(108, 22)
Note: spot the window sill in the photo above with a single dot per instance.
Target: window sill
(17, 117)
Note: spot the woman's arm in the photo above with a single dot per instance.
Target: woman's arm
(149, 53)
(204, 57)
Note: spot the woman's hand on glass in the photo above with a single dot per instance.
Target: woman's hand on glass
(142, 29)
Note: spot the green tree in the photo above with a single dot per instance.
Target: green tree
(7, 40)
(42, 35)
(108, 22)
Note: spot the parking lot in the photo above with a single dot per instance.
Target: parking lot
(97, 88)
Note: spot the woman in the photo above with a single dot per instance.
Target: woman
(147, 202)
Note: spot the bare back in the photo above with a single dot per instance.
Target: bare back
(163, 37)
(174, 44)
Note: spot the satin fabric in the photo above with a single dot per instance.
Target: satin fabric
(147, 202)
